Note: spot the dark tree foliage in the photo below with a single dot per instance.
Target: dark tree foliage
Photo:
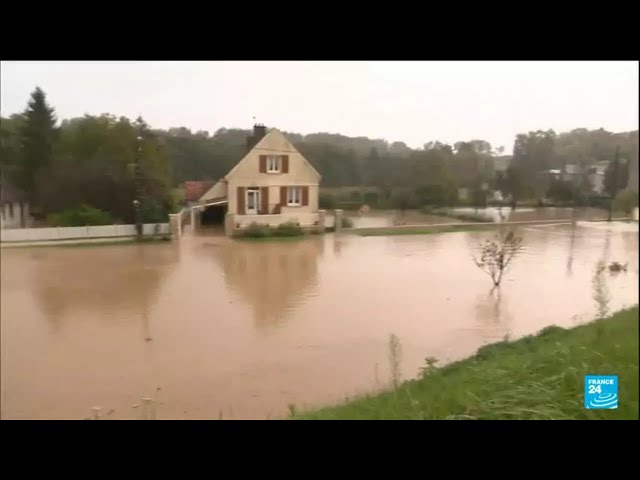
(37, 134)
(88, 161)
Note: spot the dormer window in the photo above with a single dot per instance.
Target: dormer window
(274, 163)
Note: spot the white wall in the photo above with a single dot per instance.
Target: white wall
(12, 215)
(219, 190)
(68, 233)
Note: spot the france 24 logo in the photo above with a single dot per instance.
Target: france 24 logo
(600, 391)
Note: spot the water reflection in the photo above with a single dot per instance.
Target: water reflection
(69, 282)
(206, 303)
(337, 242)
(572, 243)
(269, 276)
(601, 295)
(493, 316)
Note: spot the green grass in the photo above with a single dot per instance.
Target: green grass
(536, 377)
(426, 230)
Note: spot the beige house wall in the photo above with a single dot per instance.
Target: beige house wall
(247, 174)
(274, 197)
(300, 171)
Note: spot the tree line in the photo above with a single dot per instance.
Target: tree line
(85, 163)
(89, 161)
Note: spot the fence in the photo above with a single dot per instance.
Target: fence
(72, 233)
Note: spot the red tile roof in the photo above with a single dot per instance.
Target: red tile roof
(193, 190)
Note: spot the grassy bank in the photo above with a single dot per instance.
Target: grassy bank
(536, 377)
(422, 230)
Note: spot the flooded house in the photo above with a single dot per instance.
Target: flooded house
(596, 174)
(272, 184)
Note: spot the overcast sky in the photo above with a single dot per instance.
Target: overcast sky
(414, 102)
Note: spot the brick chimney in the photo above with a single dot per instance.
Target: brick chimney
(259, 131)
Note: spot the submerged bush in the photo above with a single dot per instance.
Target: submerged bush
(288, 229)
(79, 217)
(371, 198)
(347, 222)
(154, 212)
(355, 196)
(427, 209)
(256, 230)
(626, 200)
(550, 330)
(327, 201)
(349, 205)
(497, 255)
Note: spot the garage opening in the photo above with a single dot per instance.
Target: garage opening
(213, 215)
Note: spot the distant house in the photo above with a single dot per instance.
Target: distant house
(272, 184)
(14, 207)
(550, 175)
(572, 173)
(595, 175)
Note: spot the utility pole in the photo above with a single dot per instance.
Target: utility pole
(137, 202)
(614, 188)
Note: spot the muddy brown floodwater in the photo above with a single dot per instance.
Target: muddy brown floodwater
(211, 327)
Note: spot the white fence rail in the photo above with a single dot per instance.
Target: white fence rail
(70, 233)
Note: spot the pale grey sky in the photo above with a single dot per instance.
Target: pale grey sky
(414, 102)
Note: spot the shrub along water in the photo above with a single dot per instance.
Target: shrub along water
(80, 217)
(288, 229)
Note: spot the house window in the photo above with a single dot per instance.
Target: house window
(273, 163)
(294, 196)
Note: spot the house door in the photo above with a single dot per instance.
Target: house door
(253, 200)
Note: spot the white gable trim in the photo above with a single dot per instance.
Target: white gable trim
(208, 195)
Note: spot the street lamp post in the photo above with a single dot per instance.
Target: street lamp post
(137, 202)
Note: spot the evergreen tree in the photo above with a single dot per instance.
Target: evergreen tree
(37, 135)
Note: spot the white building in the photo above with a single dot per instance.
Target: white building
(14, 207)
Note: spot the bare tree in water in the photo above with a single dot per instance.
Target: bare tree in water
(497, 254)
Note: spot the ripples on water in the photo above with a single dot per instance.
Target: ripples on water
(211, 326)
